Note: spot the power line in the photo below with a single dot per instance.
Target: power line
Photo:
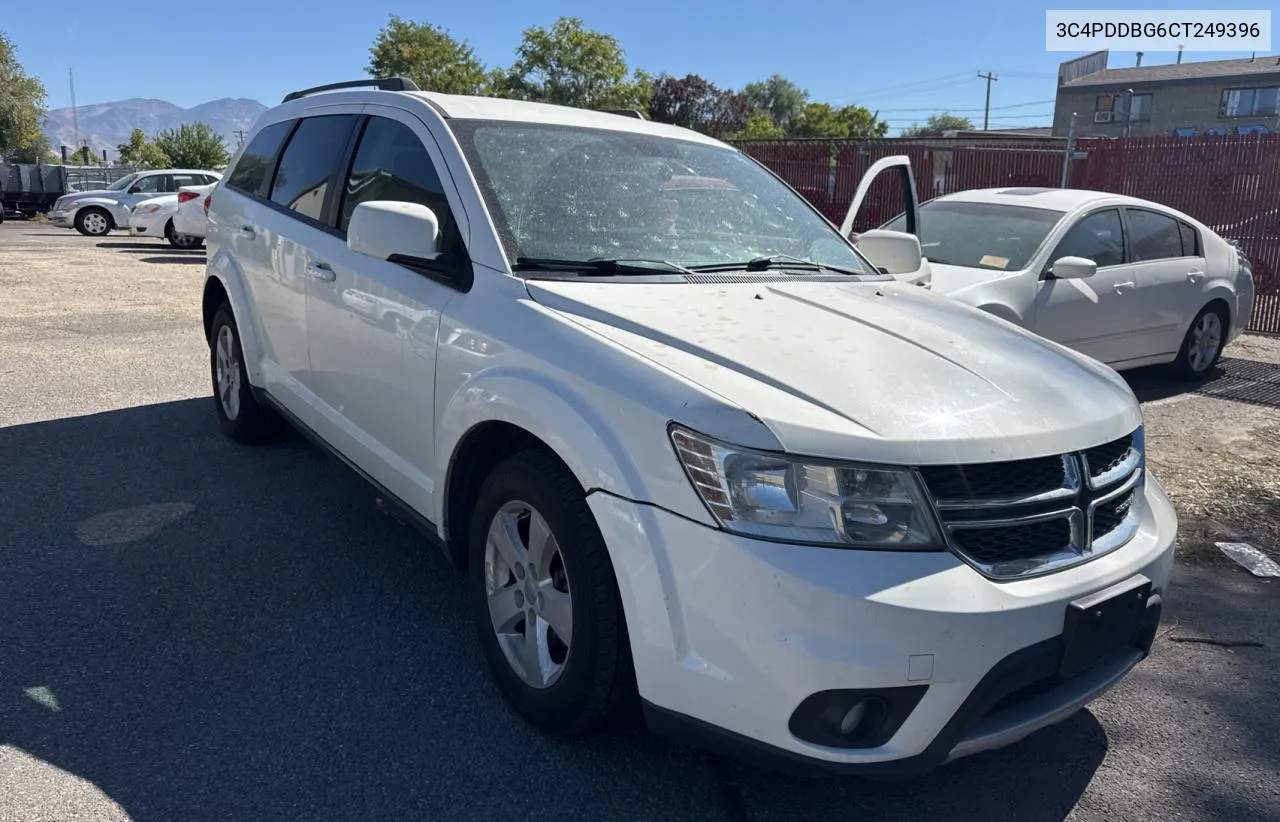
(916, 87)
(960, 110)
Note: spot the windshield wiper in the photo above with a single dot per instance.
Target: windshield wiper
(598, 265)
(775, 261)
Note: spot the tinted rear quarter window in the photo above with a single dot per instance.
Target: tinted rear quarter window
(314, 151)
(1190, 240)
(254, 164)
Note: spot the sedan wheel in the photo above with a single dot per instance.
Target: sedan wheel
(94, 223)
(1202, 345)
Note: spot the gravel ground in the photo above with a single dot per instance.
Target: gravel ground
(194, 630)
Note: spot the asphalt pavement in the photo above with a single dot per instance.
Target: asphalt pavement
(192, 629)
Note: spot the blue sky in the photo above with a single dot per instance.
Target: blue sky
(903, 59)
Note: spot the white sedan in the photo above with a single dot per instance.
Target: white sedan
(1126, 281)
(155, 218)
(193, 211)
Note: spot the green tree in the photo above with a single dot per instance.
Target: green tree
(193, 145)
(21, 104)
(36, 151)
(138, 152)
(427, 55)
(760, 126)
(935, 124)
(825, 120)
(571, 65)
(780, 98)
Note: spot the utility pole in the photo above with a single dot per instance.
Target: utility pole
(240, 135)
(986, 112)
(1071, 150)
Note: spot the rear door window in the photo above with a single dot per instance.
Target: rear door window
(1153, 236)
(309, 161)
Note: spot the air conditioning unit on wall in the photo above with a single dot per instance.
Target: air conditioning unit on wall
(1102, 117)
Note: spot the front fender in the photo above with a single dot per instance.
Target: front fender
(586, 432)
(224, 268)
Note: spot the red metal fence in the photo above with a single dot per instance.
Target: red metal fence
(1231, 184)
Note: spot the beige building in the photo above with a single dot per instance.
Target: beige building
(1175, 99)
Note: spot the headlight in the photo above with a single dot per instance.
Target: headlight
(74, 204)
(775, 496)
(147, 209)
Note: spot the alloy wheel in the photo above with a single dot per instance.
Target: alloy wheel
(95, 223)
(1206, 339)
(227, 376)
(530, 604)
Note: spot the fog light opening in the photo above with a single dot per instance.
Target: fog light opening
(857, 721)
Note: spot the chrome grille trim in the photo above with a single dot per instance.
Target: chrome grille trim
(1076, 499)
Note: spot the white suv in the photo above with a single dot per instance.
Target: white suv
(689, 444)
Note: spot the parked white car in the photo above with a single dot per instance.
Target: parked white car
(97, 212)
(155, 218)
(193, 206)
(686, 440)
(1127, 281)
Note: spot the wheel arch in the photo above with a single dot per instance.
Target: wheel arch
(224, 283)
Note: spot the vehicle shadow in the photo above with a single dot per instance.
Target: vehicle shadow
(132, 245)
(196, 259)
(206, 630)
(1241, 380)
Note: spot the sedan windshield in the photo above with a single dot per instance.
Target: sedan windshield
(980, 235)
(122, 183)
(568, 193)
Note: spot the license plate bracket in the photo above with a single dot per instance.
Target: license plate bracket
(1102, 623)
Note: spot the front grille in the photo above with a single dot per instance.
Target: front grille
(1017, 518)
(1015, 543)
(1108, 516)
(1104, 458)
(993, 480)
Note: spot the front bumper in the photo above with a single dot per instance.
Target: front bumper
(730, 635)
(62, 219)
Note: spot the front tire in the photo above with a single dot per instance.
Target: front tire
(545, 599)
(93, 222)
(240, 414)
(1202, 346)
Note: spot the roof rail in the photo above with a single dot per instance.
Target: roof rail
(382, 83)
(625, 112)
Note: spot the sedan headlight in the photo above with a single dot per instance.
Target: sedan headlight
(147, 209)
(775, 496)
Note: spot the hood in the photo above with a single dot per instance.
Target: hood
(948, 279)
(876, 371)
(100, 193)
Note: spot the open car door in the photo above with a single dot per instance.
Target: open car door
(891, 251)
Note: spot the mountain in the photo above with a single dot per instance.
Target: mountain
(106, 125)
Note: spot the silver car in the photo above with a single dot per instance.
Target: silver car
(95, 213)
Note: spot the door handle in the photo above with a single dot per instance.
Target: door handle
(321, 271)
(1194, 277)
(247, 232)
(1120, 288)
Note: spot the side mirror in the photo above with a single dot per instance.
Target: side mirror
(1073, 268)
(894, 252)
(383, 229)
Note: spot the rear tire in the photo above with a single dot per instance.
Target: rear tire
(241, 416)
(1202, 346)
(94, 222)
(527, 586)
(182, 241)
